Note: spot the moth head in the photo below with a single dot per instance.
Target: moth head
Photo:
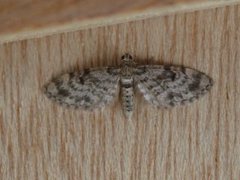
(127, 59)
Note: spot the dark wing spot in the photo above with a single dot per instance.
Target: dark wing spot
(71, 75)
(112, 71)
(150, 87)
(167, 67)
(86, 99)
(105, 88)
(184, 101)
(81, 79)
(78, 99)
(183, 81)
(86, 72)
(192, 99)
(196, 82)
(173, 76)
(157, 93)
(58, 82)
(71, 97)
(170, 96)
(144, 79)
(193, 86)
(197, 76)
(63, 92)
(140, 70)
(73, 83)
(183, 69)
(179, 95)
(167, 75)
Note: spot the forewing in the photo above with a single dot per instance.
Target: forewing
(167, 86)
(86, 89)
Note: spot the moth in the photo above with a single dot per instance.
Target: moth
(161, 85)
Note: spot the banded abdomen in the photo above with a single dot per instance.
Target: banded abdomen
(127, 95)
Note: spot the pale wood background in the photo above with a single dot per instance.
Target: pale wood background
(41, 140)
(23, 19)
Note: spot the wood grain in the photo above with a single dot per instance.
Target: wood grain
(41, 140)
(36, 18)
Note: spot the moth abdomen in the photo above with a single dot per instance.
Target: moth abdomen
(127, 95)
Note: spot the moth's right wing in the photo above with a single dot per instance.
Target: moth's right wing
(167, 86)
(88, 89)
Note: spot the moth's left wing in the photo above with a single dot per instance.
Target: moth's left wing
(87, 89)
(167, 86)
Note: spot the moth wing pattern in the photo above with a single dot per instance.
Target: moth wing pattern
(167, 86)
(87, 89)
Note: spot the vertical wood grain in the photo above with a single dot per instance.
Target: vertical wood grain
(41, 140)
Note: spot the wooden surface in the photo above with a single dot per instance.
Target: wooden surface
(41, 140)
(36, 18)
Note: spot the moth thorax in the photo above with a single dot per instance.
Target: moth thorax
(126, 81)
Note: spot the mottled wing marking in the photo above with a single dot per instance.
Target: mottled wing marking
(87, 89)
(167, 86)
